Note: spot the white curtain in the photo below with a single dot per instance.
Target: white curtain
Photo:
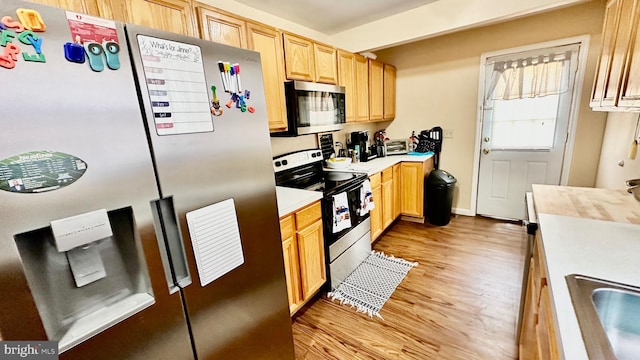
(528, 76)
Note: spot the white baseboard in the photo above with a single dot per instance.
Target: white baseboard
(464, 212)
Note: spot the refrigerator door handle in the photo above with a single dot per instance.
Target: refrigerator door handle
(172, 252)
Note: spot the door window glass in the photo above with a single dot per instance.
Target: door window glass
(527, 123)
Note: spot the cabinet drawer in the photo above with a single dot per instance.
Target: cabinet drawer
(287, 227)
(308, 215)
(387, 174)
(375, 180)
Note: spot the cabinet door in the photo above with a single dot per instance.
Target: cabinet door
(221, 28)
(72, 5)
(268, 42)
(311, 253)
(606, 53)
(527, 345)
(376, 213)
(412, 188)
(362, 86)
(376, 90)
(347, 78)
(387, 197)
(298, 57)
(326, 69)
(630, 89)
(397, 199)
(389, 80)
(619, 54)
(545, 333)
(168, 15)
(292, 273)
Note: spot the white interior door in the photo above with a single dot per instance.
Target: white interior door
(524, 131)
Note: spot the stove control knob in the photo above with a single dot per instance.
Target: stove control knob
(314, 155)
(284, 162)
(318, 153)
(278, 163)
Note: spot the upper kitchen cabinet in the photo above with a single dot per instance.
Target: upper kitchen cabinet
(389, 81)
(376, 90)
(268, 42)
(299, 58)
(168, 15)
(326, 64)
(90, 7)
(347, 78)
(617, 81)
(218, 27)
(362, 86)
(630, 87)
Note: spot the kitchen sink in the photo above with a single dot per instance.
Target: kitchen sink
(609, 317)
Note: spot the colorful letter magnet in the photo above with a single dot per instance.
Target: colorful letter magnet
(74, 52)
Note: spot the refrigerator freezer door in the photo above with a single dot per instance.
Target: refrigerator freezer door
(65, 106)
(244, 313)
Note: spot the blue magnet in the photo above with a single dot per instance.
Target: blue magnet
(111, 50)
(74, 52)
(94, 54)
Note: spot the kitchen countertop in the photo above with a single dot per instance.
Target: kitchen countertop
(378, 164)
(290, 199)
(582, 236)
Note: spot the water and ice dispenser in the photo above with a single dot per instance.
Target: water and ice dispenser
(86, 273)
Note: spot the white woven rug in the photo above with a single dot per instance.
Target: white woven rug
(371, 284)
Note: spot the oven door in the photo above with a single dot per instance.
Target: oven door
(353, 196)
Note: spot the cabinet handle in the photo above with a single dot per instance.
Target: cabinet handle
(174, 260)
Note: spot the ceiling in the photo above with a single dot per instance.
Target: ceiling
(333, 16)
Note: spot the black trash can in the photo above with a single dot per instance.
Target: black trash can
(439, 187)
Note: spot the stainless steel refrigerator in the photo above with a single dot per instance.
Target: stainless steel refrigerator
(137, 197)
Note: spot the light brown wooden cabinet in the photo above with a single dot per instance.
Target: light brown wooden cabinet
(347, 78)
(397, 198)
(303, 252)
(299, 58)
(389, 95)
(376, 213)
(412, 176)
(268, 42)
(362, 86)
(537, 333)
(222, 28)
(168, 15)
(90, 7)
(617, 82)
(326, 69)
(387, 197)
(376, 90)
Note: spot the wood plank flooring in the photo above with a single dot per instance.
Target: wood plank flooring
(460, 302)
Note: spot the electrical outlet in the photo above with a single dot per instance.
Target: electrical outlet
(447, 133)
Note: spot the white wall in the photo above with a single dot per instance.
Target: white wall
(437, 84)
(615, 148)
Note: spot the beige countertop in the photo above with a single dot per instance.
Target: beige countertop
(378, 164)
(590, 232)
(290, 199)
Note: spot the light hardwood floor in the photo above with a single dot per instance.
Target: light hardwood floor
(460, 302)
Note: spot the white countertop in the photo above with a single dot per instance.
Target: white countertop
(600, 249)
(290, 199)
(378, 164)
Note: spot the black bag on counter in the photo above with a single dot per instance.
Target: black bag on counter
(429, 140)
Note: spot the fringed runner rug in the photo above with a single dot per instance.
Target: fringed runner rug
(371, 284)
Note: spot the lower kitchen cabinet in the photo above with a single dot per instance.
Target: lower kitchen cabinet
(412, 176)
(387, 197)
(376, 213)
(303, 252)
(397, 199)
(537, 333)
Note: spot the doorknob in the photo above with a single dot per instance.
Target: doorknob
(485, 151)
(486, 139)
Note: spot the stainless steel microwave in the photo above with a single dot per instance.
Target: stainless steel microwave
(313, 108)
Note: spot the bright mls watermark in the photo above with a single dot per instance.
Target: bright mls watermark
(31, 350)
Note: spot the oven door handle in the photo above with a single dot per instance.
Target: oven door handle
(352, 187)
